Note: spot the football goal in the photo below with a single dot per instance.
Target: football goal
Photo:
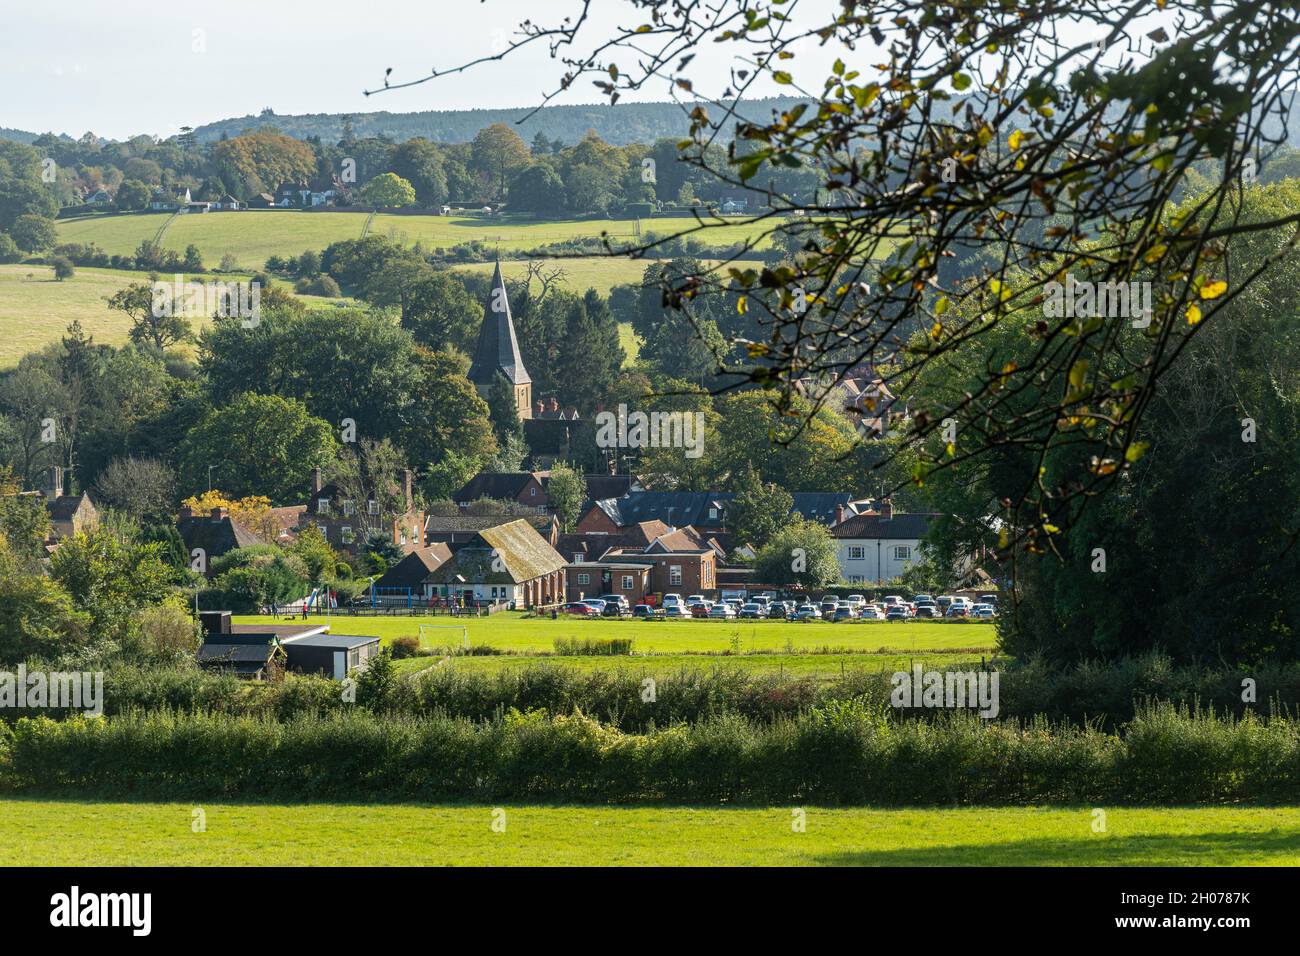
(429, 639)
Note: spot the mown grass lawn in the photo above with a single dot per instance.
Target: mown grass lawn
(820, 666)
(513, 631)
(76, 833)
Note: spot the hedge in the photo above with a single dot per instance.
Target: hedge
(849, 753)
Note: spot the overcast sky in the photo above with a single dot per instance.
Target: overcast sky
(137, 66)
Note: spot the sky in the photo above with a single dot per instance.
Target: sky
(126, 67)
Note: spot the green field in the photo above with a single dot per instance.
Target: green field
(74, 833)
(513, 631)
(820, 666)
(254, 234)
(35, 309)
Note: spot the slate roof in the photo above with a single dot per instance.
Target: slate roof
(215, 536)
(609, 486)
(462, 524)
(502, 485)
(498, 348)
(899, 527)
(549, 436)
(64, 507)
(680, 508)
(412, 570)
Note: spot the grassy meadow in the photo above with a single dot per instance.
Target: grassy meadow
(35, 308)
(324, 834)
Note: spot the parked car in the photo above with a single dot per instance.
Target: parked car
(898, 612)
(943, 601)
(670, 599)
(597, 603)
(872, 612)
(675, 611)
(922, 599)
(778, 611)
(615, 609)
(957, 610)
(844, 612)
(722, 611)
(928, 609)
(644, 610)
(857, 600)
(701, 610)
(697, 599)
(580, 609)
(752, 610)
(807, 612)
(984, 610)
(989, 599)
(619, 599)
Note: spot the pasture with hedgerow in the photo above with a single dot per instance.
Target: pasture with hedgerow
(761, 436)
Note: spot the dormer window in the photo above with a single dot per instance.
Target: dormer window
(322, 506)
(713, 512)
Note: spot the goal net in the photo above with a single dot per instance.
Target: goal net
(429, 637)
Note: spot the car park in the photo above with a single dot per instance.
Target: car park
(807, 612)
(944, 601)
(722, 611)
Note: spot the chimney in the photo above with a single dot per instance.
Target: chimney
(555, 404)
(187, 512)
(886, 509)
(218, 514)
(54, 482)
(316, 484)
(839, 514)
(406, 488)
(541, 407)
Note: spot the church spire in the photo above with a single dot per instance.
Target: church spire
(498, 348)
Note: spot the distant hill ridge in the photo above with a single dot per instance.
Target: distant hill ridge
(621, 124)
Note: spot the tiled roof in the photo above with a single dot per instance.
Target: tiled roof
(502, 485)
(874, 526)
(413, 569)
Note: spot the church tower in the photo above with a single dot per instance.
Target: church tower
(498, 350)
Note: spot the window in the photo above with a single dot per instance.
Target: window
(857, 552)
(578, 558)
(674, 574)
(345, 533)
(322, 506)
(372, 507)
(402, 537)
(584, 578)
(349, 506)
(532, 492)
(324, 530)
(713, 512)
(855, 579)
(627, 582)
(902, 553)
(541, 509)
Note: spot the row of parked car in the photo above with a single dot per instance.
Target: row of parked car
(855, 607)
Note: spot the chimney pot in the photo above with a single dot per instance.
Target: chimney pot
(316, 483)
(839, 514)
(887, 508)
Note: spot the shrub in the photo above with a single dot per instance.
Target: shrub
(592, 646)
(403, 647)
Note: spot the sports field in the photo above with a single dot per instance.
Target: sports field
(514, 631)
(164, 834)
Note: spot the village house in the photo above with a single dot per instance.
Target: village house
(628, 579)
(68, 513)
(346, 522)
(879, 545)
(213, 534)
